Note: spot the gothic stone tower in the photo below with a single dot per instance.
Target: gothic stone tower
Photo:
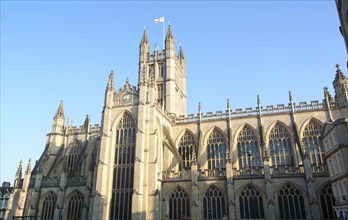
(132, 123)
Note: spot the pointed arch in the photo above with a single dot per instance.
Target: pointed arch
(214, 201)
(120, 116)
(123, 172)
(291, 201)
(169, 143)
(49, 202)
(216, 148)
(75, 205)
(251, 205)
(327, 201)
(179, 203)
(248, 142)
(311, 141)
(73, 157)
(280, 145)
(187, 147)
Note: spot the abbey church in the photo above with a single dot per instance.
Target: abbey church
(149, 159)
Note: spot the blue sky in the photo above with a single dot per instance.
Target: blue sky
(62, 50)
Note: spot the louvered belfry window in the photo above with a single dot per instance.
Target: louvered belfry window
(216, 150)
(122, 188)
(48, 206)
(75, 206)
(280, 146)
(312, 144)
(187, 148)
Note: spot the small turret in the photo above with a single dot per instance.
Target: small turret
(58, 120)
(170, 43)
(181, 54)
(110, 86)
(28, 170)
(341, 88)
(144, 48)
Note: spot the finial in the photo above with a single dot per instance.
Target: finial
(127, 81)
(86, 123)
(144, 28)
(156, 47)
(228, 104)
(19, 170)
(338, 67)
(199, 107)
(258, 100)
(28, 167)
(290, 96)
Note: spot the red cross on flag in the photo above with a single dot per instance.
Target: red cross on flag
(158, 20)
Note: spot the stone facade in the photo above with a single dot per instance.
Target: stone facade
(150, 160)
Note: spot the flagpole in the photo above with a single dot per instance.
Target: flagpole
(163, 32)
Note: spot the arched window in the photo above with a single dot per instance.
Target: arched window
(247, 142)
(251, 203)
(179, 204)
(280, 146)
(327, 201)
(216, 151)
(312, 144)
(75, 206)
(187, 148)
(73, 158)
(291, 203)
(214, 204)
(48, 206)
(122, 188)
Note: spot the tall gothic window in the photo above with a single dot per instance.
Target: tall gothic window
(73, 158)
(48, 206)
(312, 144)
(75, 206)
(291, 203)
(247, 142)
(216, 151)
(214, 204)
(122, 188)
(280, 146)
(251, 203)
(187, 148)
(327, 201)
(179, 204)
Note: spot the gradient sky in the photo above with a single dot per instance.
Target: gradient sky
(63, 50)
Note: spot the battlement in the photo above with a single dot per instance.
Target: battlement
(253, 112)
(81, 129)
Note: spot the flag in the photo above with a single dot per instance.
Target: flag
(158, 20)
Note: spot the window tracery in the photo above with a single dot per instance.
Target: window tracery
(187, 148)
(247, 143)
(73, 158)
(179, 204)
(75, 206)
(291, 203)
(122, 188)
(48, 206)
(216, 151)
(312, 144)
(327, 201)
(251, 203)
(214, 204)
(280, 146)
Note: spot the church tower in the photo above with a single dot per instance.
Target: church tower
(166, 71)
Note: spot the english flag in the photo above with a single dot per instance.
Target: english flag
(158, 20)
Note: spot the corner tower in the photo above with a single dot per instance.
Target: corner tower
(166, 71)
